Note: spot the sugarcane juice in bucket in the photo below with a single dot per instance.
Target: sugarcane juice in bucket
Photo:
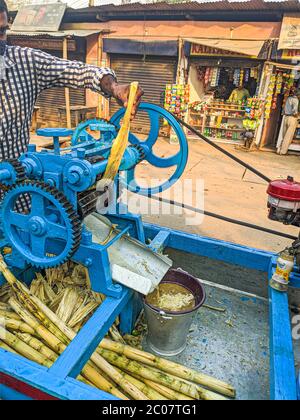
(169, 312)
(171, 297)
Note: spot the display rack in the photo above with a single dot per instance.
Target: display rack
(220, 121)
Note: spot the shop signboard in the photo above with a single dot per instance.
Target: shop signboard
(290, 33)
(204, 50)
(290, 55)
(42, 18)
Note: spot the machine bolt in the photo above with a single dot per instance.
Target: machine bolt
(51, 182)
(37, 226)
(88, 262)
(31, 148)
(81, 153)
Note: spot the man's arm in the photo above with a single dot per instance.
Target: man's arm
(56, 72)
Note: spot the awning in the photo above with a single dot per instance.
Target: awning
(58, 34)
(134, 47)
(248, 48)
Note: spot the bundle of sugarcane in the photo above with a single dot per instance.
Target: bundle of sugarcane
(114, 367)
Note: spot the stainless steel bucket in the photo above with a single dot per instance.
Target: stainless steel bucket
(168, 331)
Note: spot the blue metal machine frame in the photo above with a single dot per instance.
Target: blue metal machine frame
(58, 381)
(71, 173)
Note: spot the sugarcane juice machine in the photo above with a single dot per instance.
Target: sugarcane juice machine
(60, 186)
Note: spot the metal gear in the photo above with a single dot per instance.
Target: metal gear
(50, 218)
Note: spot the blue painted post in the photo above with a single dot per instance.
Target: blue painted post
(282, 363)
(130, 313)
(161, 241)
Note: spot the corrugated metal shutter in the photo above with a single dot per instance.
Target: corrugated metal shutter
(49, 102)
(153, 73)
(51, 99)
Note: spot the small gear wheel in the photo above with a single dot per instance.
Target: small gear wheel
(49, 233)
(16, 168)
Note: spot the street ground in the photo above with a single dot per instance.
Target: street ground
(228, 191)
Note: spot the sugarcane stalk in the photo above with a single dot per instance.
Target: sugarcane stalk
(58, 347)
(29, 319)
(5, 307)
(168, 393)
(22, 348)
(149, 391)
(100, 362)
(33, 304)
(23, 294)
(38, 346)
(168, 366)
(146, 372)
(45, 351)
(15, 325)
(4, 346)
(9, 314)
(204, 394)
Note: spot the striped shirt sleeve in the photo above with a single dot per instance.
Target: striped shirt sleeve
(57, 72)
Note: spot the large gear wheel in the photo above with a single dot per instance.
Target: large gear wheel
(51, 217)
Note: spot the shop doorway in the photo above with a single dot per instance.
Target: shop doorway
(224, 101)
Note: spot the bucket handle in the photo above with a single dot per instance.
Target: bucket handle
(163, 315)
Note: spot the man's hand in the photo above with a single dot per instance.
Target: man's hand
(121, 92)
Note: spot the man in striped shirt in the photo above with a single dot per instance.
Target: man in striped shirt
(25, 73)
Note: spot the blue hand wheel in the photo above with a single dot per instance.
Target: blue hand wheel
(81, 136)
(155, 113)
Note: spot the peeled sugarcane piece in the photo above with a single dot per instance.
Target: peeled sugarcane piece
(149, 391)
(67, 305)
(168, 366)
(144, 371)
(99, 361)
(88, 371)
(81, 314)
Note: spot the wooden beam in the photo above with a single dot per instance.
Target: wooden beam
(67, 90)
